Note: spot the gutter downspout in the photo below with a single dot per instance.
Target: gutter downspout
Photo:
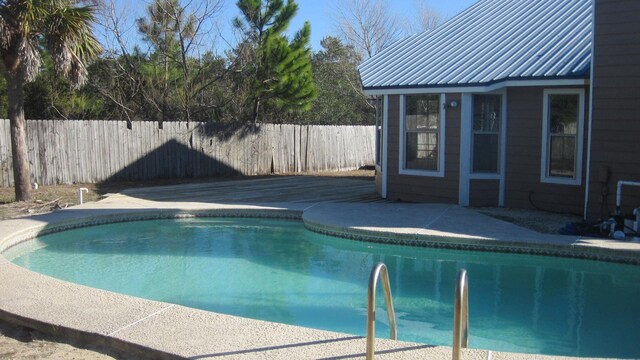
(589, 134)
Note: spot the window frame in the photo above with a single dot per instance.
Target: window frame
(546, 139)
(483, 174)
(402, 170)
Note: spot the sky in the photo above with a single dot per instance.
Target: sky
(318, 12)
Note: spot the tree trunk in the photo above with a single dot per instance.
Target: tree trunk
(21, 174)
(256, 111)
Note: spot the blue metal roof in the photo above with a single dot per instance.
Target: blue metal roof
(490, 42)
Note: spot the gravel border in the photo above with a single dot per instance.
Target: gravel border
(540, 221)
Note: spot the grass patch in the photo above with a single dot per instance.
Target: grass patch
(45, 199)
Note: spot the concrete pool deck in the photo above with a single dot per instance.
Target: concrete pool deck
(344, 207)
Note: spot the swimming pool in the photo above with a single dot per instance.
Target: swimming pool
(278, 271)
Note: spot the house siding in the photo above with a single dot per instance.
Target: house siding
(378, 181)
(424, 188)
(523, 188)
(616, 106)
(484, 192)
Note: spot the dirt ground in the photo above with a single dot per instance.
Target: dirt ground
(540, 221)
(18, 343)
(45, 199)
(53, 197)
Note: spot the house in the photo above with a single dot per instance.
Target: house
(513, 103)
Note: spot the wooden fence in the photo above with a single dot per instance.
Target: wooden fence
(88, 151)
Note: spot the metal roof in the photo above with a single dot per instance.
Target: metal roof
(490, 42)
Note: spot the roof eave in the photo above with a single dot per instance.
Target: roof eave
(495, 85)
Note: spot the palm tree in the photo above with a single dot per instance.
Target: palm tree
(27, 27)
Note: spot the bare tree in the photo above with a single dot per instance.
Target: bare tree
(145, 83)
(427, 18)
(178, 30)
(115, 27)
(367, 25)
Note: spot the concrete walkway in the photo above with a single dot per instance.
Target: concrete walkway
(347, 207)
(289, 189)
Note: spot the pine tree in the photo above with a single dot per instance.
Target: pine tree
(281, 69)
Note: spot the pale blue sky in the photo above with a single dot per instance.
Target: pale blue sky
(318, 12)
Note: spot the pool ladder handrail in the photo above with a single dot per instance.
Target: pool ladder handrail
(461, 315)
(378, 270)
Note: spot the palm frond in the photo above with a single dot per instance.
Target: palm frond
(71, 41)
(25, 15)
(79, 75)
(64, 24)
(29, 58)
(6, 33)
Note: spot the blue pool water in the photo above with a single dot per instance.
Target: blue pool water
(276, 270)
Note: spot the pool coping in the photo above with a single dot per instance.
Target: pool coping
(575, 251)
(141, 334)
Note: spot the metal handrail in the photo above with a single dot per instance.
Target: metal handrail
(379, 269)
(461, 315)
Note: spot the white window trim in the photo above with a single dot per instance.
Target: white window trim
(465, 149)
(587, 181)
(380, 165)
(487, 175)
(577, 179)
(441, 141)
(503, 151)
(385, 146)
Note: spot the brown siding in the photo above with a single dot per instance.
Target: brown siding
(616, 105)
(423, 188)
(484, 192)
(523, 188)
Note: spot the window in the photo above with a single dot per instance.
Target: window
(379, 105)
(562, 136)
(486, 134)
(422, 132)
